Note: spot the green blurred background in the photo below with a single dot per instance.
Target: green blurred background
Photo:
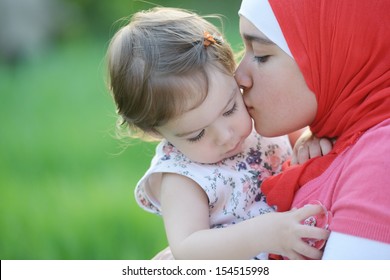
(66, 182)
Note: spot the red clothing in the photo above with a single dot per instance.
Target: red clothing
(342, 48)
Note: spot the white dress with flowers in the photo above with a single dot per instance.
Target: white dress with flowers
(232, 185)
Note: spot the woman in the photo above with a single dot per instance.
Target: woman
(326, 64)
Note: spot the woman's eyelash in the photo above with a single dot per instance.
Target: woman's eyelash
(261, 59)
(231, 111)
(197, 137)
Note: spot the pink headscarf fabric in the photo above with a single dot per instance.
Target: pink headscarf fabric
(343, 50)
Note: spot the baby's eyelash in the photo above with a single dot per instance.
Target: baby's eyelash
(231, 111)
(197, 137)
(201, 134)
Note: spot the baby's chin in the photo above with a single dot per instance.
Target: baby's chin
(216, 160)
(238, 149)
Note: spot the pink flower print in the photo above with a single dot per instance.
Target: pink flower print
(254, 166)
(144, 202)
(274, 161)
(263, 173)
(245, 187)
(167, 150)
(311, 221)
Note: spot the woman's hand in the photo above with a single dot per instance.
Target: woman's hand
(309, 146)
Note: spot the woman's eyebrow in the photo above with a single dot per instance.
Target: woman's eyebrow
(261, 40)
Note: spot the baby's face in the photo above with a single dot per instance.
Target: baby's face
(217, 128)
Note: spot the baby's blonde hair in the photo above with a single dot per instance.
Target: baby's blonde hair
(158, 66)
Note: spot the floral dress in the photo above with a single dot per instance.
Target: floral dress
(233, 185)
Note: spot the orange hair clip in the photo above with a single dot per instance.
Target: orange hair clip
(208, 39)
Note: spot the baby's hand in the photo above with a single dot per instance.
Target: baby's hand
(309, 146)
(321, 220)
(303, 241)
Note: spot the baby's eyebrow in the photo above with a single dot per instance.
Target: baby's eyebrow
(261, 40)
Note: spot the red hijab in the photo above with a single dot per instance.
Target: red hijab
(343, 50)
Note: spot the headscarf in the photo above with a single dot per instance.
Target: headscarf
(342, 48)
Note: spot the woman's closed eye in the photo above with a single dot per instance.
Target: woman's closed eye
(261, 59)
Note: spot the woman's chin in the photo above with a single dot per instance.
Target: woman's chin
(263, 130)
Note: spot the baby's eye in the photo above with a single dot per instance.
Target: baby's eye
(261, 59)
(231, 111)
(197, 137)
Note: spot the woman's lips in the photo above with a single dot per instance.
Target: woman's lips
(250, 110)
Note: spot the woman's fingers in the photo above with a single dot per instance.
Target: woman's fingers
(311, 148)
(326, 146)
(303, 154)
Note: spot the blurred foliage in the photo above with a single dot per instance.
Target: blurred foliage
(101, 17)
(66, 183)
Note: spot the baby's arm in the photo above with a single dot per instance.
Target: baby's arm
(186, 218)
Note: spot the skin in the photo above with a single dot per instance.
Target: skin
(273, 87)
(216, 129)
(208, 133)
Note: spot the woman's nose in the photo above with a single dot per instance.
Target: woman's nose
(242, 77)
(244, 81)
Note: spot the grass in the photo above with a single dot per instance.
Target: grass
(66, 184)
